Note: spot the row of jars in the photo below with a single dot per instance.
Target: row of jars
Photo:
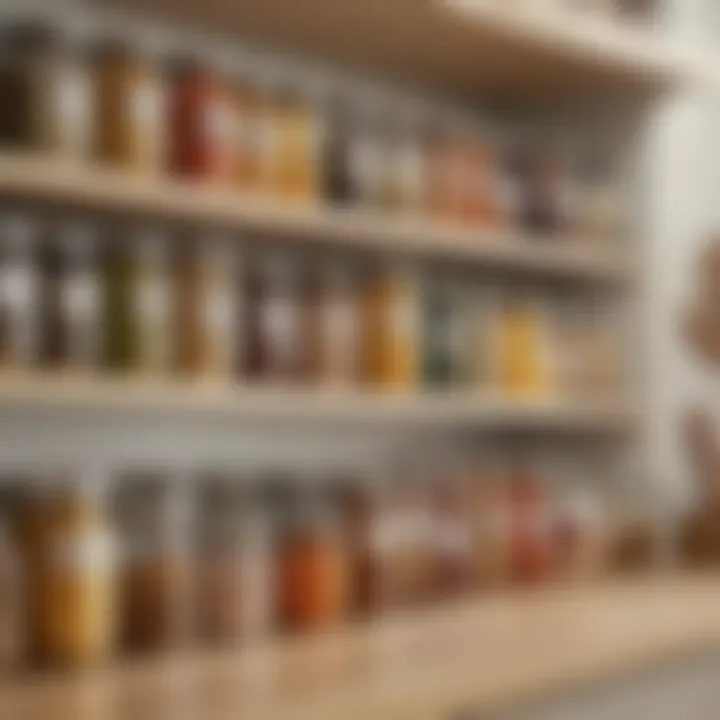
(153, 562)
(76, 297)
(300, 139)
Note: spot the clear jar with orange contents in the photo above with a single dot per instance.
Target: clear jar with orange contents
(313, 565)
(392, 320)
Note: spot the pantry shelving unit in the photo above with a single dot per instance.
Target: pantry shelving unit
(466, 48)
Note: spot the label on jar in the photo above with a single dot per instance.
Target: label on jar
(366, 168)
(18, 285)
(80, 302)
(220, 125)
(147, 107)
(92, 552)
(219, 312)
(280, 327)
(340, 330)
(405, 317)
(72, 108)
(410, 173)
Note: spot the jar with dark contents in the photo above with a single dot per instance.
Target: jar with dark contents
(13, 599)
(71, 299)
(20, 309)
(236, 591)
(338, 187)
(130, 97)
(45, 91)
(203, 127)
(312, 563)
(157, 577)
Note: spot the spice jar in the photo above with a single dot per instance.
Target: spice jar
(299, 131)
(391, 328)
(275, 318)
(337, 178)
(153, 302)
(408, 173)
(19, 292)
(483, 334)
(188, 308)
(121, 326)
(71, 556)
(221, 330)
(312, 567)
(235, 576)
(45, 92)
(335, 327)
(129, 92)
(203, 123)
(251, 138)
(12, 603)
(157, 580)
(445, 336)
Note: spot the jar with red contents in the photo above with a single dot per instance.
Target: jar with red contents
(202, 124)
(530, 530)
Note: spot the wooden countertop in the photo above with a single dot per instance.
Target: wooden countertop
(478, 655)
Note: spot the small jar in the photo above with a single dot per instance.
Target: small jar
(129, 94)
(338, 186)
(407, 164)
(71, 299)
(13, 604)
(236, 588)
(312, 567)
(157, 579)
(392, 328)
(19, 292)
(219, 308)
(121, 327)
(277, 346)
(188, 290)
(203, 124)
(72, 556)
(335, 331)
(251, 138)
(45, 91)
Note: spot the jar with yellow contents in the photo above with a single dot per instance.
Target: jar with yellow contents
(391, 328)
(524, 351)
(71, 552)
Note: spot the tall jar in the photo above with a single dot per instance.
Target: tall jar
(153, 302)
(19, 292)
(45, 92)
(157, 579)
(312, 567)
(129, 95)
(72, 556)
(392, 327)
(13, 600)
(335, 326)
(220, 310)
(121, 327)
(236, 589)
(203, 123)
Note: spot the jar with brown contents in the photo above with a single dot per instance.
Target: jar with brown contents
(187, 308)
(13, 598)
(129, 96)
(45, 92)
(71, 551)
(157, 578)
(235, 575)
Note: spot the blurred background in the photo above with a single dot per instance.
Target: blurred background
(357, 322)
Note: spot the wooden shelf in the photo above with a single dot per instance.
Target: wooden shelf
(92, 189)
(493, 47)
(480, 656)
(315, 406)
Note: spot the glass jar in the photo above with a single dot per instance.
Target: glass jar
(446, 335)
(219, 307)
(408, 172)
(203, 123)
(19, 292)
(72, 561)
(483, 334)
(70, 299)
(236, 588)
(392, 328)
(335, 341)
(153, 302)
(250, 109)
(45, 92)
(339, 189)
(13, 599)
(313, 566)
(130, 97)
(158, 573)
(121, 328)
(188, 289)
(276, 342)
